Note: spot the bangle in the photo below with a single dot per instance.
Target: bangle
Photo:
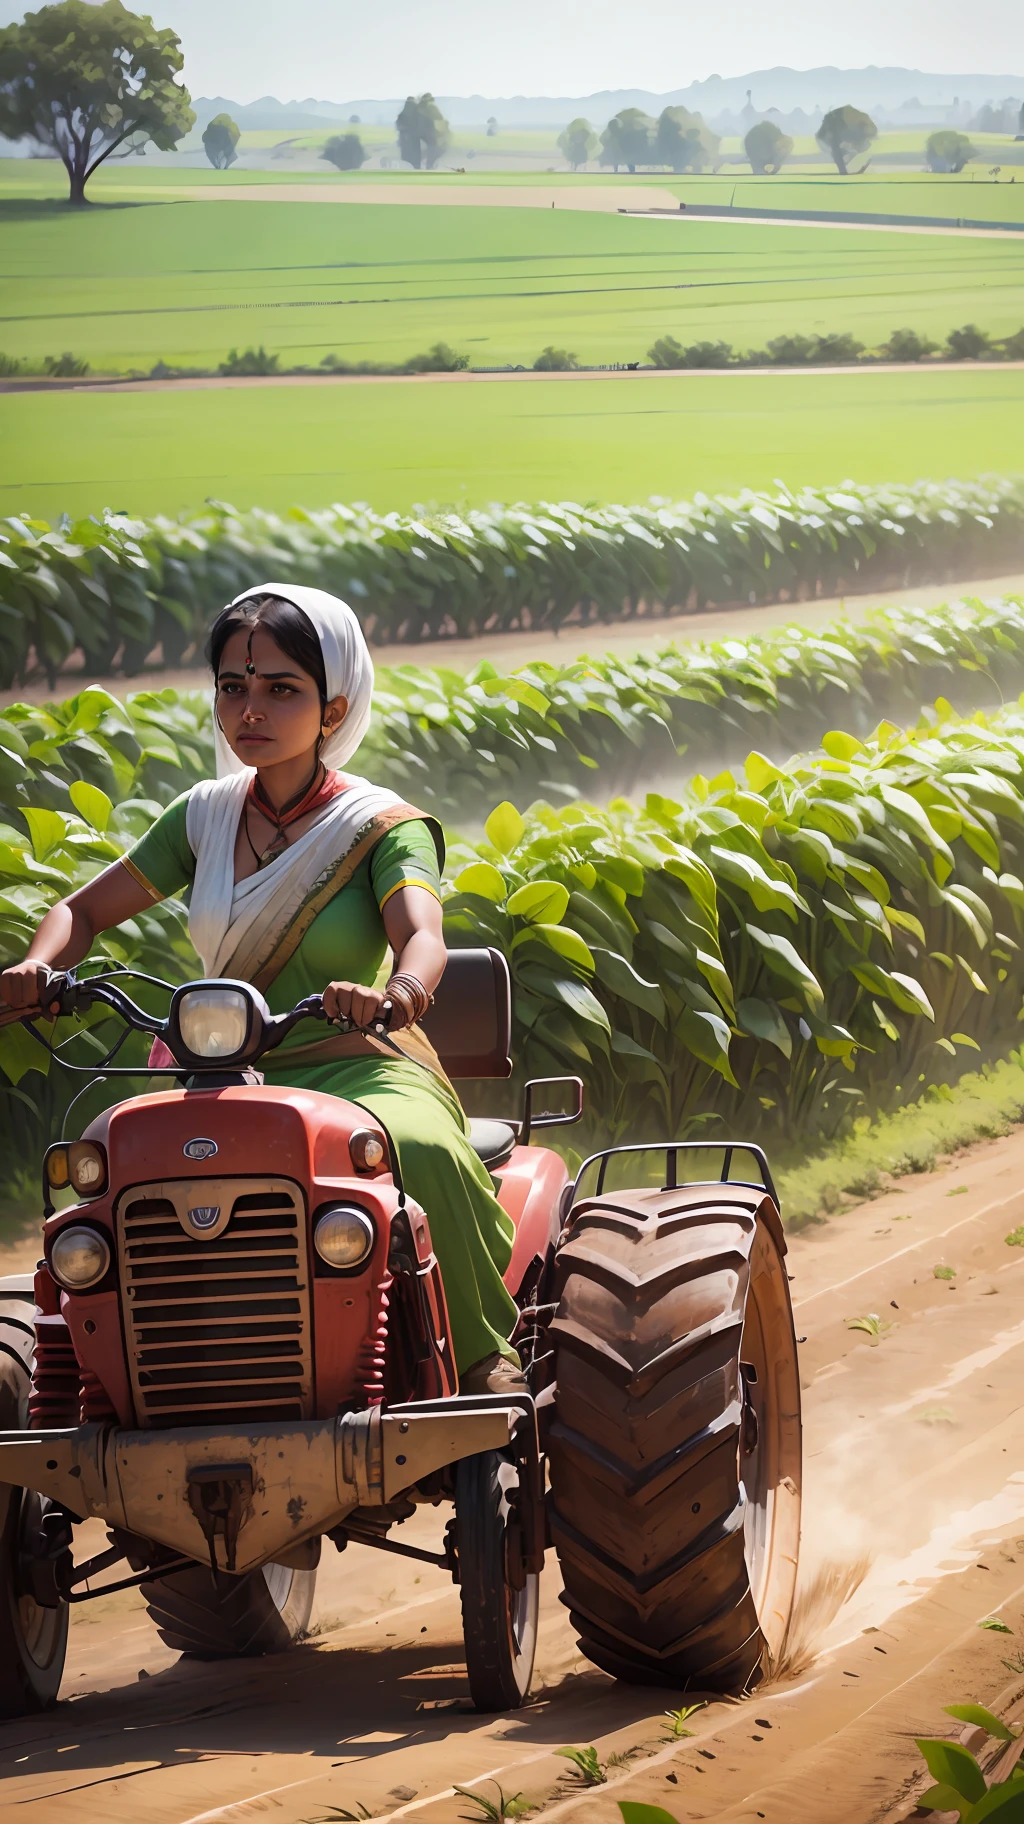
(411, 994)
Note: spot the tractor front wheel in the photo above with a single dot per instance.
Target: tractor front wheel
(265, 1611)
(500, 1598)
(33, 1638)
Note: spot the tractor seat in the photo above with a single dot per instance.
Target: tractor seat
(493, 1142)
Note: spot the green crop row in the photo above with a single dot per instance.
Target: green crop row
(454, 744)
(118, 589)
(763, 955)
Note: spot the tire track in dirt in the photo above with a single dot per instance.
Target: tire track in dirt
(915, 1497)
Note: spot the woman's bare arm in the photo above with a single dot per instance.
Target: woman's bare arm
(69, 929)
(412, 920)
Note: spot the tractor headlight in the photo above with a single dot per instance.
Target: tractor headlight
(215, 1022)
(80, 1165)
(344, 1236)
(79, 1258)
(366, 1149)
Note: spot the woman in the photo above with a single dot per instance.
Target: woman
(300, 880)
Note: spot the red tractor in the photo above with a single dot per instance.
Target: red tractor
(236, 1347)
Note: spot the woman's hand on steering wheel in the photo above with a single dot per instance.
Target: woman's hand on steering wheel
(351, 1001)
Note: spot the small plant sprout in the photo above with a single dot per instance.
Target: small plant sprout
(942, 1272)
(488, 1812)
(677, 1720)
(872, 1326)
(588, 1768)
(1015, 1238)
(1015, 1664)
(994, 1625)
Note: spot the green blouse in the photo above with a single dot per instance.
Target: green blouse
(347, 940)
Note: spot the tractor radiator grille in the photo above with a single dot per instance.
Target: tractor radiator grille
(217, 1323)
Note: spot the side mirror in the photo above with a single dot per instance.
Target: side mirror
(549, 1118)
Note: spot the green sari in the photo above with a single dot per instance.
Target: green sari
(344, 940)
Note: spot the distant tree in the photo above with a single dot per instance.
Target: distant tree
(578, 142)
(354, 120)
(907, 345)
(220, 138)
(767, 148)
(997, 116)
(91, 82)
(492, 127)
(843, 133)
(948, 150)
(345, 150)
(628, 140)
(969, 343)
(438, 360)
(555, 361)
(254, 361)
(423, 133)
(683, 141)
(1020, 122)
(667, 352)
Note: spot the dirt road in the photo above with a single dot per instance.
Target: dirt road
(914, 1514)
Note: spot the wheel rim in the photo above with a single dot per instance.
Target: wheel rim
(520, 1604)
(40, 1630)
(769, 1449)
(278, 1579)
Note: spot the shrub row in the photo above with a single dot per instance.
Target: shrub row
(841, 350)
(969, 343)
(758, 957)
(119, 589)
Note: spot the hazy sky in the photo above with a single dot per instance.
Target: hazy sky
(340, 49)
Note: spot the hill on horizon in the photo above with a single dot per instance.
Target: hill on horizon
(907, 93)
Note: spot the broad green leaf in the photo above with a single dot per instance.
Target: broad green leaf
(483, 880)
(764, 1020)
(633, 1812)
(707, 1037)
(90, 803)
(46, 829)
(557, 938)
(951, 1765)
(944, 1798)
(21, 1052)
(505, 828)
(544, 901)
(1004, 1802)
(614, 972)
(842, 747)
(982, 1719)
(783, 960)
(760, 772)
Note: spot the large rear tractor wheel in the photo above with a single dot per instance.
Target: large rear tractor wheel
(500, 1598)
(265, 1611)
(675, 1448)
(33, 1639)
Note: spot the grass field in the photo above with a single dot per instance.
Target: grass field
(395, 444)
(127, 285)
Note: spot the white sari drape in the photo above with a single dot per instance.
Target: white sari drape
(236, 925)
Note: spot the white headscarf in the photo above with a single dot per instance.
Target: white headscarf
(234, 924)
(347, 666)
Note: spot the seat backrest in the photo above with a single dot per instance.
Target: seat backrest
(470, 1023)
